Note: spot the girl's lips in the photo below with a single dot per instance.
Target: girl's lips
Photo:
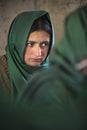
(36, 59)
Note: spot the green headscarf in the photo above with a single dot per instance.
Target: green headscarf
(17, 37)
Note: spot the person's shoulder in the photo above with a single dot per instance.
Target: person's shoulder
(3, 63)
(4, 74)
(3, 59)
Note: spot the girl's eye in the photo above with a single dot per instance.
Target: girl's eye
(30, 44)
(45, 44)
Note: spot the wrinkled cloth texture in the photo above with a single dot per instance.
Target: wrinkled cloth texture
(4, 75)
(58, 99)
(19, 72)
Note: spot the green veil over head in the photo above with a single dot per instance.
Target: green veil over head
(17, 37)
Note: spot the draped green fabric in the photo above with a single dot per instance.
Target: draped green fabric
(18, 33)
(73, 46)
(57, 97)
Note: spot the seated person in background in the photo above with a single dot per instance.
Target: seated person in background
(30, 40)
(57, 97)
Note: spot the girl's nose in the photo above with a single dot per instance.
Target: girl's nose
(38, 51)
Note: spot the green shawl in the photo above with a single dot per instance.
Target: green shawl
(18, 33)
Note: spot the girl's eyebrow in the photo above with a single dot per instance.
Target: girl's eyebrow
(36, 42)
(31, 41)
(45, 42)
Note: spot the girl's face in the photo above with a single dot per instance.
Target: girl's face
(37, 47)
